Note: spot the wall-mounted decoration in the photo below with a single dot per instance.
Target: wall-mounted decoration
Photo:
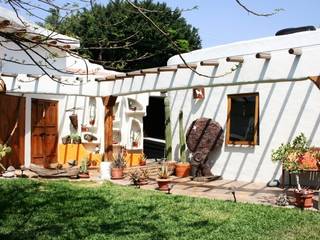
(135, 134)
(198, 93)
(90, 137)
(134, 105)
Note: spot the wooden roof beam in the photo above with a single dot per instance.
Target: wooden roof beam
(9, 74)
(4, 23)
(214, 63)
(188, 65)
(135, 73)
(150, 70)
(238, 59)
(168, 69)
(263, 55)
(295, 51)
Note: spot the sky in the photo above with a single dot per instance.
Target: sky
(223, 21)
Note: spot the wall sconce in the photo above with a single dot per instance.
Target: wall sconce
(198, 93)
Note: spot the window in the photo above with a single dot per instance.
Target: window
(243, 119)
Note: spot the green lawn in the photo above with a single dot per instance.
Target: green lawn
(63, 210)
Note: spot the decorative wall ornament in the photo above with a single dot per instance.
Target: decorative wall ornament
(92, 110)
(198, 93)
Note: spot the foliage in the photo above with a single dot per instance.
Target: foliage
(164, 172)
(84, 165)
(4, 150)
(119, 160)
(291, 154)
(182, 139)
(121, 38)
(75, 137)
(138, 175)
(168, 132)
(85, 210)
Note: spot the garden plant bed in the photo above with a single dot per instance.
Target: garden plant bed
(33, 209)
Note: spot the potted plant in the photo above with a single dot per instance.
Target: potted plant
(163, 179)
(66, 139)
(117, 165)
(142, 160)
(4, 150)
(183, 167)
(75, 138)
(139, 177)
(292, 157)
(83, 173)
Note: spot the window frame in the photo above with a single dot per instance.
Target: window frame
(256, 120)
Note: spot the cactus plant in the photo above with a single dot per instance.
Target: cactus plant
(182, 140)
(168, 133)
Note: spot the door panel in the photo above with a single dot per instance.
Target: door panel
(44, 132)
(12, 110)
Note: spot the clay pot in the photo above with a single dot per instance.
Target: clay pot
(66, 140)
(163, 184)
(116, 173)
(83, 175)
(182, 169)
(304, 198)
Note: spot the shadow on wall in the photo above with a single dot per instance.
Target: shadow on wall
(274, 126)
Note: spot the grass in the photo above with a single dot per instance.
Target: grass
(62, 210)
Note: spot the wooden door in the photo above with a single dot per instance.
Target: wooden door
(44, 140)
(12, 128)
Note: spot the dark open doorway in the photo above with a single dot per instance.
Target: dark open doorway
(154, 128)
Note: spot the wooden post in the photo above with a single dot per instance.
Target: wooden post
(108, 103)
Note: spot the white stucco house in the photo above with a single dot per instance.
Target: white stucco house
(271, 82)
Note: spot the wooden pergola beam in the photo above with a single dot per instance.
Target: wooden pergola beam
(168, 69)
(209, 63)
(263, 55)
(295, 51)
(9, 74)
(150, 70)
(135, 73)
(238, 59)
(4, 23)
(188, 65)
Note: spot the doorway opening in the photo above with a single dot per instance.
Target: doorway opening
(154, 128)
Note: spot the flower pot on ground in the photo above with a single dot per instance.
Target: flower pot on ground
(118, 164)
(84, 173)
(304, 198)
(296, 156)
(139, 177)
(163, 179)
(142, 160)
(183, 168)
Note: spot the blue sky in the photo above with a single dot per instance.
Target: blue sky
(223, 21)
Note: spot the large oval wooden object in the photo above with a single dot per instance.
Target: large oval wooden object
(202, 136)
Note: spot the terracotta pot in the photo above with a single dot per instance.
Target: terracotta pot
(182, 169)
(83, 175)
(163, 184)
(304, 198)
(116, 173)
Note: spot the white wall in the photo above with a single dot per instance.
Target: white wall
(286, 109)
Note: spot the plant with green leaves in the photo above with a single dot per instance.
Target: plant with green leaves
(291, 154)
(84, 165)
(168, 133)
(119, 160)
(182, 140)
(4, 150)
(164, 172)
